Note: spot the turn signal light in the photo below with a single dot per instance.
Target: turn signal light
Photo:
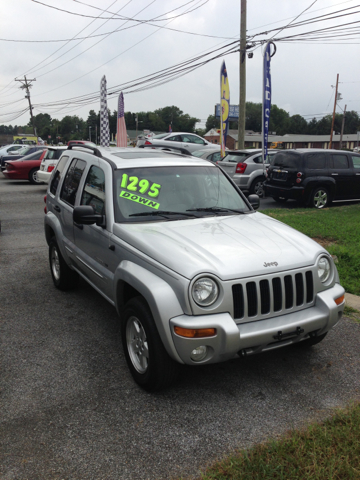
(195, 332)
(340, 300)
(45, 209)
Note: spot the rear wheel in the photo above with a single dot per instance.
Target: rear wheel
(33, 177)
(320, 198)
(63, 277)
(257, 186)
(147, 359)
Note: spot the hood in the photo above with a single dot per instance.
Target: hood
(229, 247)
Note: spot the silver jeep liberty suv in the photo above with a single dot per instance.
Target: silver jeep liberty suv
(195, 273)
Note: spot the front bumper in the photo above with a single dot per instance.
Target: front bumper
(233, 339)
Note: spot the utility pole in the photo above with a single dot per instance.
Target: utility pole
(333, 118)
(242, 74)
(26, 85)
(342, 128)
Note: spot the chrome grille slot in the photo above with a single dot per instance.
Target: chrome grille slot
(275, 294)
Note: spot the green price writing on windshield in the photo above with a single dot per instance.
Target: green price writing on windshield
(143, 186)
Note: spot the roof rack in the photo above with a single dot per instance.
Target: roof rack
(95, 150)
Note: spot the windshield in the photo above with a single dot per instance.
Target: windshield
(150, 194)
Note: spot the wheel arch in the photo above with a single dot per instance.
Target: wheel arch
(132, 280)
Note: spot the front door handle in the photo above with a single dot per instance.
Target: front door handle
(58, 209)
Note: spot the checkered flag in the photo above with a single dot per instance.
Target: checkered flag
(121, 134)
(104, 119)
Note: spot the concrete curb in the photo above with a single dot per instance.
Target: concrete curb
(352, 301)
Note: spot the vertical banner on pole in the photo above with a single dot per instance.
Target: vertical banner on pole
(121, 134)
(224, 107)
(104, 119)
(266, 104)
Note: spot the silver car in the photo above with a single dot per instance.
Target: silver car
(245, 167)
(195, 273)
(187, 141)
(214, 155)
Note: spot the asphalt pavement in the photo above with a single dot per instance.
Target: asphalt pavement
(70, 409)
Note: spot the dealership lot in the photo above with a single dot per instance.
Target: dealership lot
(70, 408)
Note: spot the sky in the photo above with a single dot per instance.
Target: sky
(154, 35)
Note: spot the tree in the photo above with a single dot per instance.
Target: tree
(212, 122)
(297, 125)
(253, 116)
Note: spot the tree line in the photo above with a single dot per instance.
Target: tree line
(281, 122)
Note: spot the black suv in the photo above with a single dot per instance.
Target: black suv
(314, 177)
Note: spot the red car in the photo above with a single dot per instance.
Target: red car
(25, 168)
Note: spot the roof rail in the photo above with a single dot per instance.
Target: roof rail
(95, 150)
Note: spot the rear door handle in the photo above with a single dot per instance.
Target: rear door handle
(334, 174)
(58, 209)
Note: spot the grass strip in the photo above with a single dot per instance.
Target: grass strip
(330, 450)
(337, 229)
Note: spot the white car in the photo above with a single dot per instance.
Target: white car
(9, 149)
(49, 163)
(188, 142)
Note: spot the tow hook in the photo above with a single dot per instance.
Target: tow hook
(281, 336)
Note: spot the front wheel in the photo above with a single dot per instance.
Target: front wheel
(33, 177)
(257, 187)
(147, 359)
(320, 198)
(63, 277)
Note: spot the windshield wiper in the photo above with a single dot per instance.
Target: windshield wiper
(161, 213)
(214, 209)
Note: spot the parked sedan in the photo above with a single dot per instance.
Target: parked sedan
(187, 141)
(26, 168)
(25, 150)
(245, 167)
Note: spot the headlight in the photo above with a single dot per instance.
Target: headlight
(324, 269)
(205, 291)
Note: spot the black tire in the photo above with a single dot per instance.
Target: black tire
(309, 342)
(63, 277)
(280, 199)
(33, 177)
(147, 359)
(257, 186)
(320, 198)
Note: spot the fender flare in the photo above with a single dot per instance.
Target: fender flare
(159, 295)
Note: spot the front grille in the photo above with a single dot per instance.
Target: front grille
(274, 295)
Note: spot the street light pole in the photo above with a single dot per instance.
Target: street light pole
(90, 133)
(242, 75)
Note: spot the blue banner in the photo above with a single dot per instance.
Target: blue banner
(266, 99)
(225, 107)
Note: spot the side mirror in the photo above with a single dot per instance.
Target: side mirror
(254, 201)
(85, 215)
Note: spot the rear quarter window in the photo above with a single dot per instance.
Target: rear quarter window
(57, 175)
(316, 161)
(356, 161)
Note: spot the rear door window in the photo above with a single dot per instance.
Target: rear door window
(58, 175)
(316, 161)
(339, 162)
